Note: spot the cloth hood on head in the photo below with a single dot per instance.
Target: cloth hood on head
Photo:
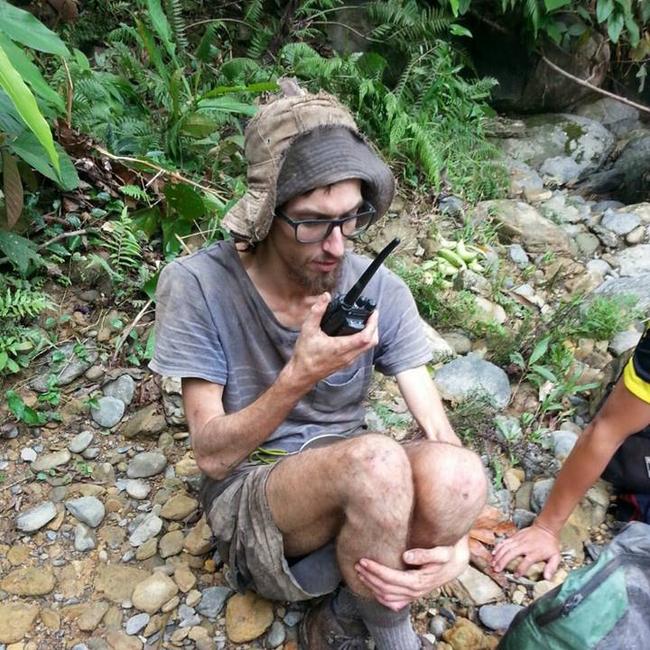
(269, 136)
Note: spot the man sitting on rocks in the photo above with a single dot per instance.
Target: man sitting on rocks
(240, 323)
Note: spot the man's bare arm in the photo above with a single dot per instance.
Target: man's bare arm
(221, 441)
(422, 398)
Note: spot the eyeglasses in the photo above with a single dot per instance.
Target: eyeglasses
(311, 231)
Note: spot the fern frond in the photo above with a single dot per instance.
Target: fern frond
(174, 11)
(122, 242)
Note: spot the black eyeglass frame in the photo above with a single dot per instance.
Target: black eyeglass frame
(365, 209)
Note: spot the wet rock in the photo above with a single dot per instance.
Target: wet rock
(540, 493)
(137, 489)
(212, 601)
(80, 442)
(16, 620)
(151, 594)
(465, 635)
(144, 423)
(584, 143)
(587, 243)
(149, 527)
(276, 636)
(437, 625)
(518, 255)
(563, 443)
(521, 222)
(498, 617)
(84, 538)
(469, 377)
(35, 518)
(522, 518)
(459, 342)
(47, 462)
(522, 177)
(29, 581)
(179, 507)
(199, 540)
(440, 349)
(75, 360)
(248, 616)
(146, 464)
(636, 285)
(137, 623)
(624, 341)
(614, 115)
(121, 388)
(108, 412)
(620, 223)
(634, 260)
(171, 544)
(117, 582)
(92, 616)
(475, 588)
(88, 510)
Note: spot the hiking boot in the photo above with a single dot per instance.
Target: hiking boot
(320, 629)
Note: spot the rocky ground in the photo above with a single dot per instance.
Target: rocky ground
(103, 544)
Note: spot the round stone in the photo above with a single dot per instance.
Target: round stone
(109, 411)
(36, 518)
(137, 623)
(137, 489)
(151, 594)
(80, 442)
(498, 617)
(47, 462)
(84, 538)
(88, 510)
(145, 464)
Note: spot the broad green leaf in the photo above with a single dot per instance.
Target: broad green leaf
(22, 27)
(261, 87)
(632, 29)
(198, 125)
(150, 345)
(25, 104)
(27, 147)
(12, 187)
(150, 285)
(161, 25)
(30, 73)
(19, 251)
(553, 32)
(184, 201)
(615, 26)
(517, 359)
(603, 9)
(15, 403)
(152, 49)
(228, 105)
(540, 350)
(4, 357)
(459, 30)
(544, 372)
(577, 29)
(147, 220)
(454, 4)
(552, 5)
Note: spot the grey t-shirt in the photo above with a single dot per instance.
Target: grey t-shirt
(211, 323)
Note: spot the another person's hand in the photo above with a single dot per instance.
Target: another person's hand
(533, 544)
(317, 355)
(395, 588)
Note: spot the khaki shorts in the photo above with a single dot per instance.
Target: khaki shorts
(251, 544)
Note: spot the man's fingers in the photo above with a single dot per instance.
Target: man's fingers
(551, 567)
(437, 555)
(317, 310)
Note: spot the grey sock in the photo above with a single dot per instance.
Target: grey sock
(345, 608)
(390, 630)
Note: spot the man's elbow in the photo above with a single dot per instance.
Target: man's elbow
(212, 467)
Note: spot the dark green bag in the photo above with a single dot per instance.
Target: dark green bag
(605, 606)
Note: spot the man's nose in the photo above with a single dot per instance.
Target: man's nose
(334, 243)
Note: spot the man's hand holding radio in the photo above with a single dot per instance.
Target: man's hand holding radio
(317, 355)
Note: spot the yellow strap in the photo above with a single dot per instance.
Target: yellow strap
(635, 384)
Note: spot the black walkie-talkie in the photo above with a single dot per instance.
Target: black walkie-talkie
(348, 314)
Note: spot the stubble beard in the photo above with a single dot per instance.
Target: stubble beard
(316, 283)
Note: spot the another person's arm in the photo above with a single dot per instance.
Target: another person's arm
(622, 415)
(221, 441)
(424, 403)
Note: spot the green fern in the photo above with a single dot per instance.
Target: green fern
(121, 241)
(174, 11)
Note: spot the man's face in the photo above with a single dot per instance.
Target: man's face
(316, 267)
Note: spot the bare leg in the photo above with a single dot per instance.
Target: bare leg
(450, 490)
(359, 491)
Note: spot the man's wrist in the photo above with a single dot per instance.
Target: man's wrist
(550, 527)
(295, 378)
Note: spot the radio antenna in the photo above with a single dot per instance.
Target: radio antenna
(351, 296)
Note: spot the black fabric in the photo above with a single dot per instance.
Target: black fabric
(641, 358)
(629, 469)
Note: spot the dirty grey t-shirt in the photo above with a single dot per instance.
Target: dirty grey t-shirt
(211, 323)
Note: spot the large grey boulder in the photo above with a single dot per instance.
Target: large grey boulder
(637, 286)
(612, 114)
(562, 147)
(472, 377)
(634, 260)
(66, 363)
(522, 223)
